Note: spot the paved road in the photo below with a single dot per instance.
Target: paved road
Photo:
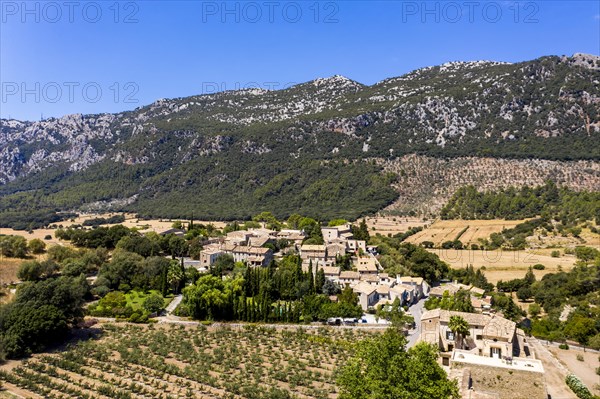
(173, 304)
(416, 311)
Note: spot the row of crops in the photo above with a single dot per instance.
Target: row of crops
(132, 361)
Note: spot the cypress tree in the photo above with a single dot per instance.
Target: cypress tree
(320, 280)
(311, 278)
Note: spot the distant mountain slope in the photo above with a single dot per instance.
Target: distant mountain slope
(425, 184)
(308, 148)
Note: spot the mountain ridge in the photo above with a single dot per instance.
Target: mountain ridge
(548, 108)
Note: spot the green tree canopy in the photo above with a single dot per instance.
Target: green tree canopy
(383, 369)
(460, 327)
(154, 303)
(36, 246)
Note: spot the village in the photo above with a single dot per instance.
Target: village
(489, 341)
(488, 352)
(366, 276)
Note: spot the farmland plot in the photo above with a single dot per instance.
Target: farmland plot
(131, 361)
(472, 230)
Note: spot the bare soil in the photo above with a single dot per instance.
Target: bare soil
(494, 382)
(554, 373)
(585, 370)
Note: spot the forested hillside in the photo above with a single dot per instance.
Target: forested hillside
(548, 200)
(320, 148)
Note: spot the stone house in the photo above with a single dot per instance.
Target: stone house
(314, 252)
(349, 278)
(209, 256)
(367, 294)
(336, 232)
(491, 336)
(365, 265)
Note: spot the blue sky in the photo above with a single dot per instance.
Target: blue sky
(59, 58)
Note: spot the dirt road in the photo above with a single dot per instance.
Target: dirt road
(555, 372)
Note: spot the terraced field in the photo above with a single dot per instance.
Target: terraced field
(505, 265)
(172, 361)
(391, 225)
(470, 231)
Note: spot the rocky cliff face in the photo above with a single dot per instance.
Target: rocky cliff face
(547, 108)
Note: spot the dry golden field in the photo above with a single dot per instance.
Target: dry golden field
(504, 265)
(149, 225)
(131, 221)
(385, 225)
(38, 233)
(448, 230)
(8, 270)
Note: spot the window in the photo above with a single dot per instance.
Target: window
(450, 335)
(479, 337)
(496, 353)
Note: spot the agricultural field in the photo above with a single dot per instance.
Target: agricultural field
(173, 361)
(156, 225)
(131, 221)
(385, 225)
(472, 230)
(505, 265)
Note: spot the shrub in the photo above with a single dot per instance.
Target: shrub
(47, 237)
(580, 357)
(563, 346)
(138, 317)
(539, 266)
(37, 246)
(154, 303)
(578, 387)
(555, 254)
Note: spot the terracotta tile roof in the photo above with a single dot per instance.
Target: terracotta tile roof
(372, 278)
(313, 248)
(331, 270)
(383, 289)
(398, 290)
(364, 288)
(493, 326)
(349, 275)
(499, 327)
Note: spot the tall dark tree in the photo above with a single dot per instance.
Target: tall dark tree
(319, 280)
